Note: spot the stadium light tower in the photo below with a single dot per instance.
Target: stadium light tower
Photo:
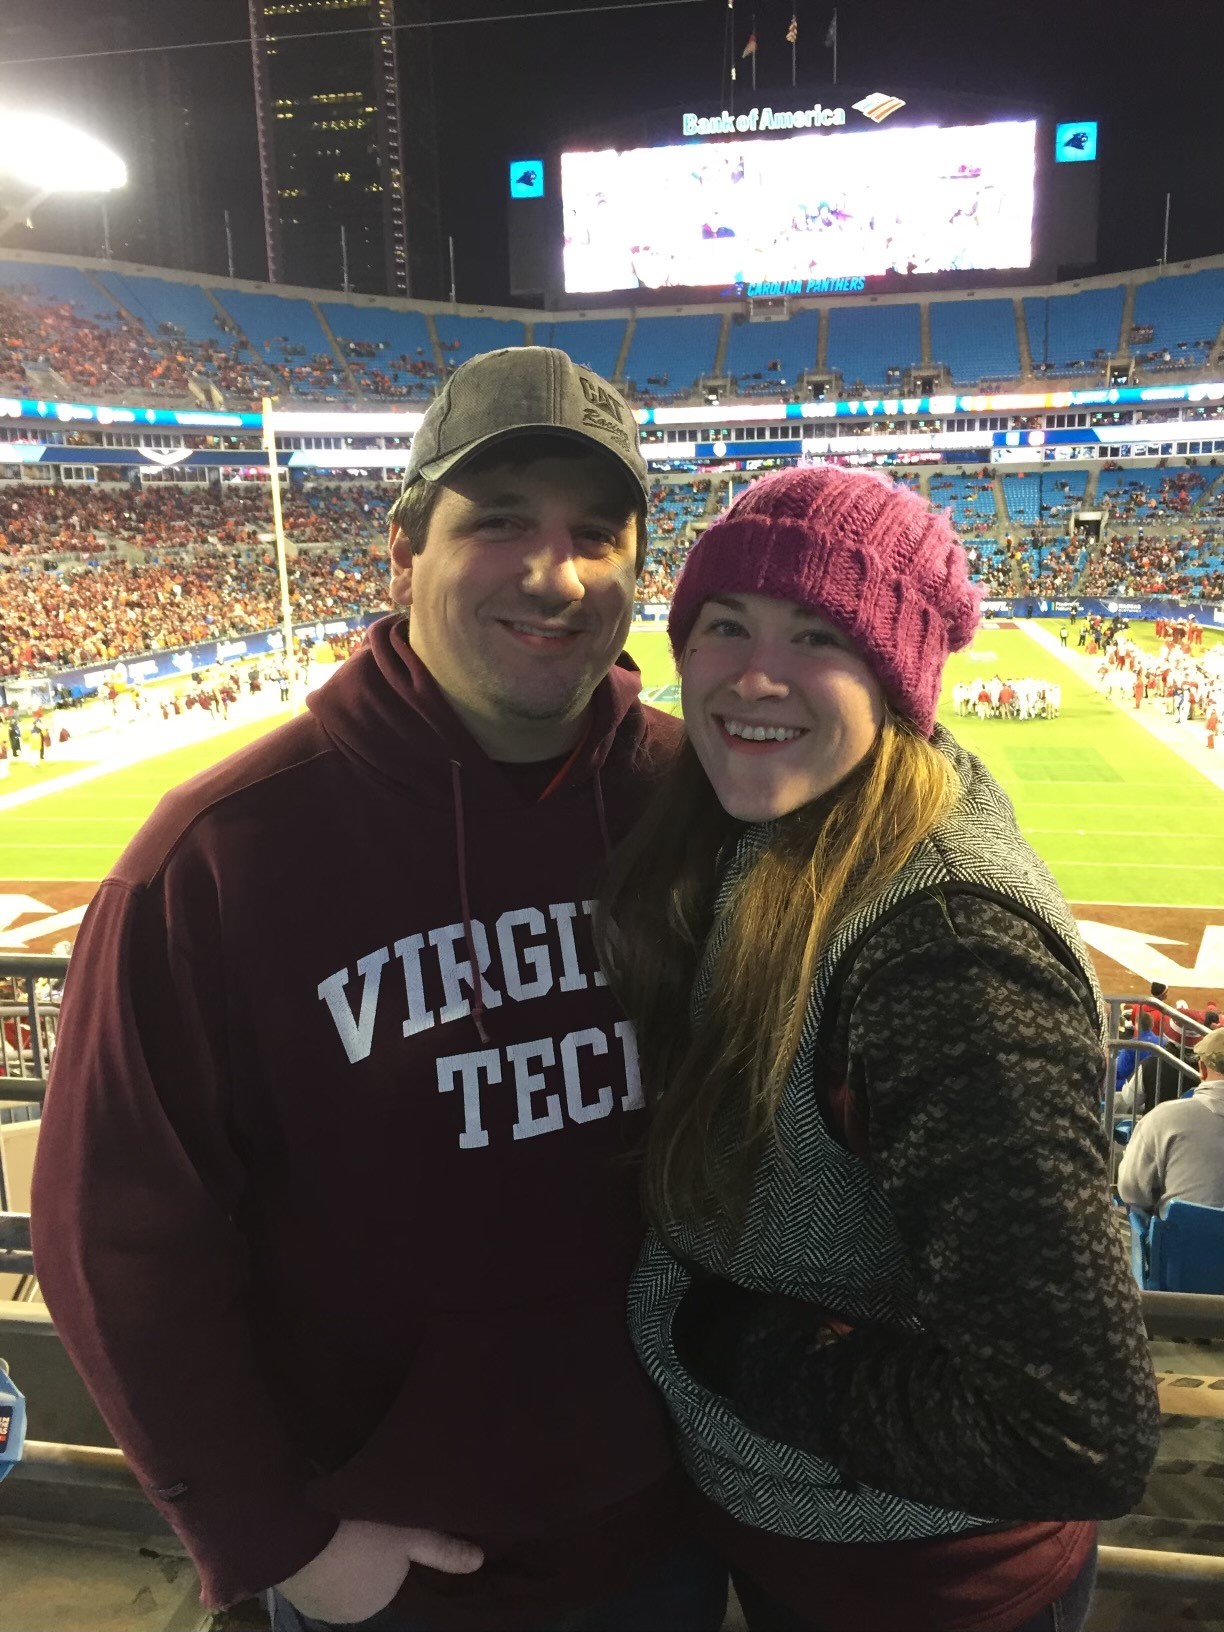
(41, 155)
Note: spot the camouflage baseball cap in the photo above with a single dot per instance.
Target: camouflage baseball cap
(517, 391)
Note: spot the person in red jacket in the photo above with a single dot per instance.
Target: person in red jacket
(331, 1204)
(1179, 1037)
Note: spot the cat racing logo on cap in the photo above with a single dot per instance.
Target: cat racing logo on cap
(877, 107)
(616, 433)
(598, 397)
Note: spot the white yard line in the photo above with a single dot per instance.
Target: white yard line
(1187, 742)
(165, 737)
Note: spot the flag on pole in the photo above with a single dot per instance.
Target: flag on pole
(831, 36)
(750, 49)
(792, 33)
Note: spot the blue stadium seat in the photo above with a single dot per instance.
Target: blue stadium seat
(156, 301)
(753, 346)
(976, 339)
(474, 335)
(1181, 1249)
(682, 348)
(284, 330)
(399, 340)
(1042, 496)
(971, 498)
(1074, 334)
(866, 341)
(1022, 497)
(593, 342)
(1185, 314)
(56, 284)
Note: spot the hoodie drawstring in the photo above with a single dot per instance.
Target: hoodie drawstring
(601, 814)
(461, 851)
(597, 789)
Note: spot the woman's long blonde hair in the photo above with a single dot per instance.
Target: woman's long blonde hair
(714, 1089)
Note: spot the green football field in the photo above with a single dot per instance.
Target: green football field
(1119, 817)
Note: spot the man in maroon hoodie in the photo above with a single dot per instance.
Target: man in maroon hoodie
(331, 1205)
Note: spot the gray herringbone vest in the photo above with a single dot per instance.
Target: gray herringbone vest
(817, 1227)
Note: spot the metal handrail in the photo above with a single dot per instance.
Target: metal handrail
(1142, 1566)
(23, 1090)
(40, 965)
(16, 1254)
(1118, 1002)
(99, 1468)
(1183, 1314)
(1115, 1042)
(27, 1059)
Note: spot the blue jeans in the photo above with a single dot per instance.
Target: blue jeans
(1066, 1614)
(686, 1592)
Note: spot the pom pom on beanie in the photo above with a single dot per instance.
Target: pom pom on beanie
(866, 554)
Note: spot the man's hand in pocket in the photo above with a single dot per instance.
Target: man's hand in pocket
(363, 1566)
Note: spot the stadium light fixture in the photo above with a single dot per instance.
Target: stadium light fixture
(41, 155)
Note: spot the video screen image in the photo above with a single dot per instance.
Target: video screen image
(707, 214)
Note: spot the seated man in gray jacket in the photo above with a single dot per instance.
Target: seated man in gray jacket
(1176, 1152)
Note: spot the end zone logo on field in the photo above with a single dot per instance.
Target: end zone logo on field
(877, 107)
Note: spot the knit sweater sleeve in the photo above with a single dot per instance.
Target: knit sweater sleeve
(1028, 1393)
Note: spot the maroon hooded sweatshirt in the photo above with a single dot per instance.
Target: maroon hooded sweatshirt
(328, 1233)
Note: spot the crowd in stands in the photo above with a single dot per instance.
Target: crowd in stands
(1076, 365)
(90, 520)
(90, 571)
(994, 573)
(1131, 499)
(147, 569)
(1168, 359)
(316, 375)
(1048, 565)
(86, 352)
(963, 494)
(226, 364)
(673, 508)
(383, 376)
(353, 514)
(658, 576)
(1132, 564)
(100, 613)
(105, 355)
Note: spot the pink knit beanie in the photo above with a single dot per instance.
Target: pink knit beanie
(867, 555)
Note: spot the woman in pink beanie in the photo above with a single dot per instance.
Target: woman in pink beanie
(882, 1293)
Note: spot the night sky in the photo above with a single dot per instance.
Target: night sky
(1150, 74)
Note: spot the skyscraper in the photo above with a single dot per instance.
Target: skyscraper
(340, 209)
